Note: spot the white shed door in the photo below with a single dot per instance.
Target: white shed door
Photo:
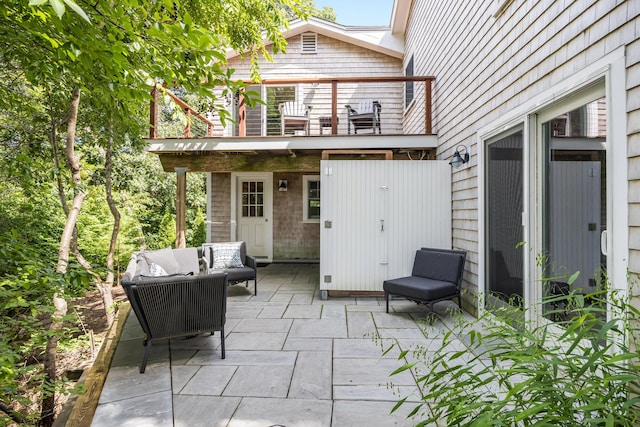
(375, 214)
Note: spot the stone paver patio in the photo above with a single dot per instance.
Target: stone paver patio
(292, 360)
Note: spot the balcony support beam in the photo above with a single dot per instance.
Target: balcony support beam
(181, 207)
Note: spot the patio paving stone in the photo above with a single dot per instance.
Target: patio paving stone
(286, 412)
(318, 328)
(149, 410)
(240, 358)
(366, 308)
(281, 297)
(333, 312)
(302, 298)
(308, 344)
(312, 376)
(372, 392)
(127, 382)
(181, 357)
(208, 380)
(303, 312)
(273, 311)
(395, 320)
(259, 325)
(363, 371)
(255, 340)
(367, 413)
(415, 333)
(361, 325)
(363, 347)
(256, 381)
(181, 375)
(203, 411)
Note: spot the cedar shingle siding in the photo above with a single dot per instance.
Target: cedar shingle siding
(486, 66)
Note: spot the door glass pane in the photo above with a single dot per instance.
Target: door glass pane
(504, 221)
(253, 199)
(575, 197)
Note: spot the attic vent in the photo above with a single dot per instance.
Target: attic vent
(309, 43)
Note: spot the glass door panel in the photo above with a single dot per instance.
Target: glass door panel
(505, 268)
(574, 203)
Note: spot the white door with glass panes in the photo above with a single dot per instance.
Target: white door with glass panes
(253, 214)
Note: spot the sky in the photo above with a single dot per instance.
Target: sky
(360, 12)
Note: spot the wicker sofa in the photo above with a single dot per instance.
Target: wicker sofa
(172, 299)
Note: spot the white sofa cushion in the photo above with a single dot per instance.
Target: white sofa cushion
(164, 258)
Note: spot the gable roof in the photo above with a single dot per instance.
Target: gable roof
(378, 39)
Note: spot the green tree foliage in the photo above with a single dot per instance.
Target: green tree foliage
(104, 56)
(197, 234)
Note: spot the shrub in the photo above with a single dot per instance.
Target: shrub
(494, 371)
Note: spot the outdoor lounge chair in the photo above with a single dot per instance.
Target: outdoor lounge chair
(168, 307)
(436, 276)
(366, 115)
(176, 305)
(294, 115)
(245, 270)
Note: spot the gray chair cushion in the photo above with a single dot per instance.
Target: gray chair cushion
(420, 288)
(238, 274)
(441, 266)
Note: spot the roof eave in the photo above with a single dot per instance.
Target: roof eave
(378, 39)
(400, 16)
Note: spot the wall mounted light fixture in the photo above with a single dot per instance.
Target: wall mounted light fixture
(282, 185)
(460, 158)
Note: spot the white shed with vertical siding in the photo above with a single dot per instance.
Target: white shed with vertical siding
(375, 215)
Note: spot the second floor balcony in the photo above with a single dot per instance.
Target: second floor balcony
(303, 108)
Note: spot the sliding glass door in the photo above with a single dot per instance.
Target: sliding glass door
(574, 201)
(504, 206)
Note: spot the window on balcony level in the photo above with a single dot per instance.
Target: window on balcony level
(408, 86)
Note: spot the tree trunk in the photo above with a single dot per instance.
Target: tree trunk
(54, 322)
(74, 238)
(108, 283)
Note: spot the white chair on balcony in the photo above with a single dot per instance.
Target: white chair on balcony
(294, 115)
(365, 115)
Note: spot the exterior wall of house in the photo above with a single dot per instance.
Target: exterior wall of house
(292, 238)
(486, 67)
(220, 193)
(335, 58)
(633, 150)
